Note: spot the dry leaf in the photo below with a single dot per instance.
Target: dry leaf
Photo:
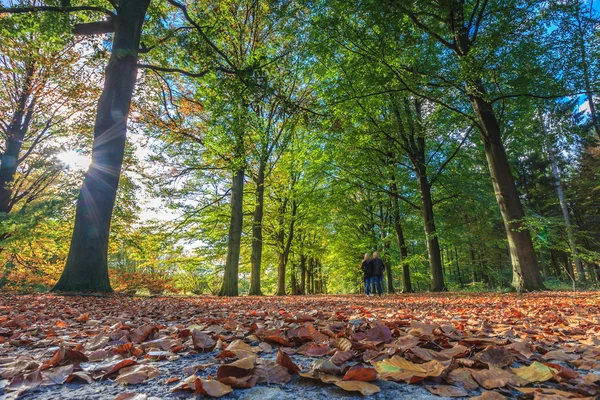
(365, 388)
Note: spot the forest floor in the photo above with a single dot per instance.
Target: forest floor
(426, 346)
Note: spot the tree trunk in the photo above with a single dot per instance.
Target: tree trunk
(87, 268)
(286, 246)
(302, 274)
(543, 262)
(257, 236)
(473, 264)
(585, 69)
(230, 275)
(433, 245)
(567, 218)
(406, 285)
(526, 275)
(555, 265)
(17, 129)
(460, 282)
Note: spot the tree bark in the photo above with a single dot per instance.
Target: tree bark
(302, 274)
(406, 285)
(230, 275)
(460, 282)
(17, 129)
(526, 274)
(87, 268)
(285, 251)
(433, 245)
(257, 235)
(567, 217)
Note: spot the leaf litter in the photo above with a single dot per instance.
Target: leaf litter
(538, 346)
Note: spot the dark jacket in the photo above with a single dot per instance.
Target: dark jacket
(367, 270)
(377, 266)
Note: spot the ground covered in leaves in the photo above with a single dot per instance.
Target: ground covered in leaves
(485, 346)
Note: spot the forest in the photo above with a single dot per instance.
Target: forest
(245, 147)
(189, 191)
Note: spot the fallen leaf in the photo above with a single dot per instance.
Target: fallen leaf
(397, 369)
(494, 378)
(536, 372)
(495, 355)
(360, 373)
(462, 376)
(212, 388)
(202, 341)
(137, 374)
(365, 388)
(285, 361)
(446, 390)
(489, 396)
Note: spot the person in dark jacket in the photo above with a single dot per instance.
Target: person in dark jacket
(377, 269)
(367, 273)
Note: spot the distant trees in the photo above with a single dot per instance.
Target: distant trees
(289, 138)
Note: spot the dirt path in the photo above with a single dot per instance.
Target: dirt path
(450, 344)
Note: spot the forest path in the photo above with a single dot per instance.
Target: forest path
(450, 344)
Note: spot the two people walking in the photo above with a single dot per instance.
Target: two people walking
(373, 269)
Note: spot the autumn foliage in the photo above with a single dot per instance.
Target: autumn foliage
(492, 346)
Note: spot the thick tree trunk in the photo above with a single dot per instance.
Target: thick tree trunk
(257, 235)
(433, 245)
(87, 268)
(230, 275)
(526, 275)
(567, 218)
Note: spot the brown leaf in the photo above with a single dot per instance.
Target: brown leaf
(360, 373)
(379, 333)
(57, 375)
(285, 361)
(462, 376)
(271, 372)
(366, 389)
(278, 340)
(549, 394)
(341, 357)
(202, 341)
(316, 350)
(522, 348)
(495, 355)
(212, 388)
(558, 355)
(426, 354)
(326, 367)
(244, 382)
(494, 378)
(80, 375)
(457, 351)
(137, 374)
(21, 383)
(446, 390)
(142, 333)
(489, 396)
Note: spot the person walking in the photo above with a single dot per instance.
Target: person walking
(367, 273)
(377, 269)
